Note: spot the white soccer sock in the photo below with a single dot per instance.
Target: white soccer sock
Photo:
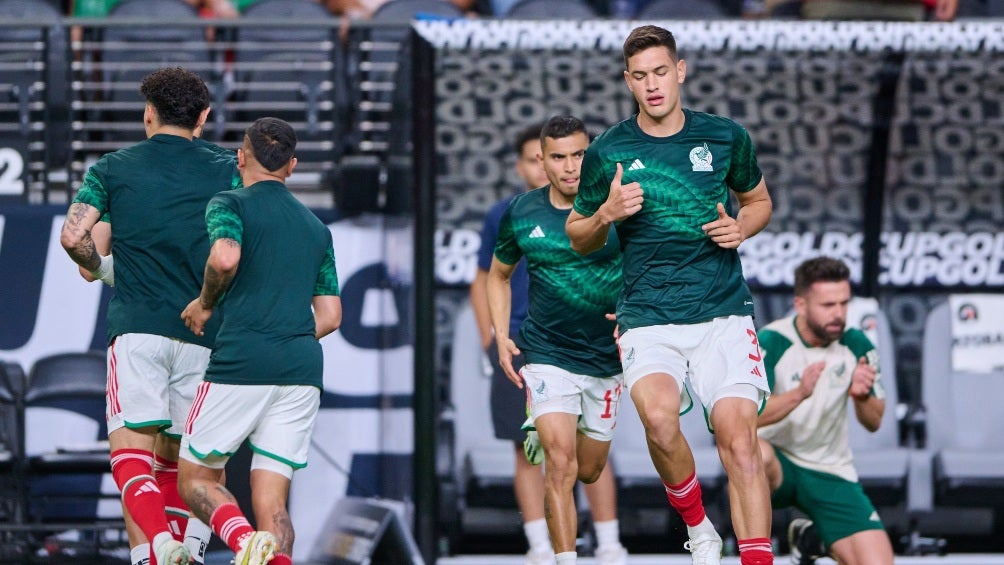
(197, 535)
(565, 557)
(140, 555)
(536, 534)
(607, 533)
(704, 525)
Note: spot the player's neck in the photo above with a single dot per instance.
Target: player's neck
(807, 335)
(665, 126)
(558, 199)
(171, 130)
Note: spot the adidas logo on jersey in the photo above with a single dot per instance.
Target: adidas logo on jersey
(537, 232)
(636, 165)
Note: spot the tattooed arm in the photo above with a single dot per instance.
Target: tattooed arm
(221, 267)
(76, 235)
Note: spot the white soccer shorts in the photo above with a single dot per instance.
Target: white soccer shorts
(553, 389)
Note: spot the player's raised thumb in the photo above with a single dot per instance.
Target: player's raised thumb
(619, 174)
(721, 211)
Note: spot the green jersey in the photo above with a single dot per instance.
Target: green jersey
(154, 193)
(569, 293)
(814, 434)
(674, 273)
(267, 336)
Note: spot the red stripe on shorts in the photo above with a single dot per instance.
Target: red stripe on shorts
(200, 397)
(113, 382)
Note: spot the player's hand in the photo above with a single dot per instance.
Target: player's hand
(617, 327)
(810, 376)
(724, 231)
(195, 316)
(623, 201)
(862, 380)
(507, 350)
(87, 276)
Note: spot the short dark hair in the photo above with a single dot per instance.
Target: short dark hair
(178, 95)
(559, 127)
(527, 134)
(272, 141)
(819, 269)
(641, 38)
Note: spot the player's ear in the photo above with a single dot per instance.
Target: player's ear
(681, 71)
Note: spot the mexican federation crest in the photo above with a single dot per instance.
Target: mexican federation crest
(700, 158)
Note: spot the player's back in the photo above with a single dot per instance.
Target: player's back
(157, 195)
(268, 329)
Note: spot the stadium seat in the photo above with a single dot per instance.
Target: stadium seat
(381, 68)
(964, 419)
(882, 464)
(404, 11)
(66, 453)
(550, 10)
(11, 443)
(293, 73)
(682, 10)
(32, 60)
(130, 52)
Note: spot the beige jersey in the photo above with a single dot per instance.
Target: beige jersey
(814, 434)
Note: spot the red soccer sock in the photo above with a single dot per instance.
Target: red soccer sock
(175, 509)
(755, 551)
(230, 524)
(686, 499)
(133, 473)
(281, 559)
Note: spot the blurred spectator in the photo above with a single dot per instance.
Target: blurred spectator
(893, 10)
(364, 9)
(208, 8)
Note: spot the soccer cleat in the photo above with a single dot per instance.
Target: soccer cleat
(528, 425)
(173, 552)
(803, 539)
(705, 547)
(258, 549)
(531, 445)
(613, 554)
(532, 448)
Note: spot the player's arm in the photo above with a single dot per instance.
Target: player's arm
(226, 231)
(76, 237)
(326, 302)
(499, 297)
(754, 212)
(101, 234)
(479, 305)
(780, 405)
(868, 407)
(755, 208)
(327, 314)
(224, 257)
(589, 233)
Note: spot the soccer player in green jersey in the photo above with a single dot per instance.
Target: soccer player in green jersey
(572, 372)
(155, 192)
(508, 403)
(663, 177)
(814, 364)
(274, 260)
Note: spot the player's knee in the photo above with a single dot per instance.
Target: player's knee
(590, 474)
(741, 453)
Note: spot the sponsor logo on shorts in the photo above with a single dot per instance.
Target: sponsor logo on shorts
(628, 359)
(540, 392)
